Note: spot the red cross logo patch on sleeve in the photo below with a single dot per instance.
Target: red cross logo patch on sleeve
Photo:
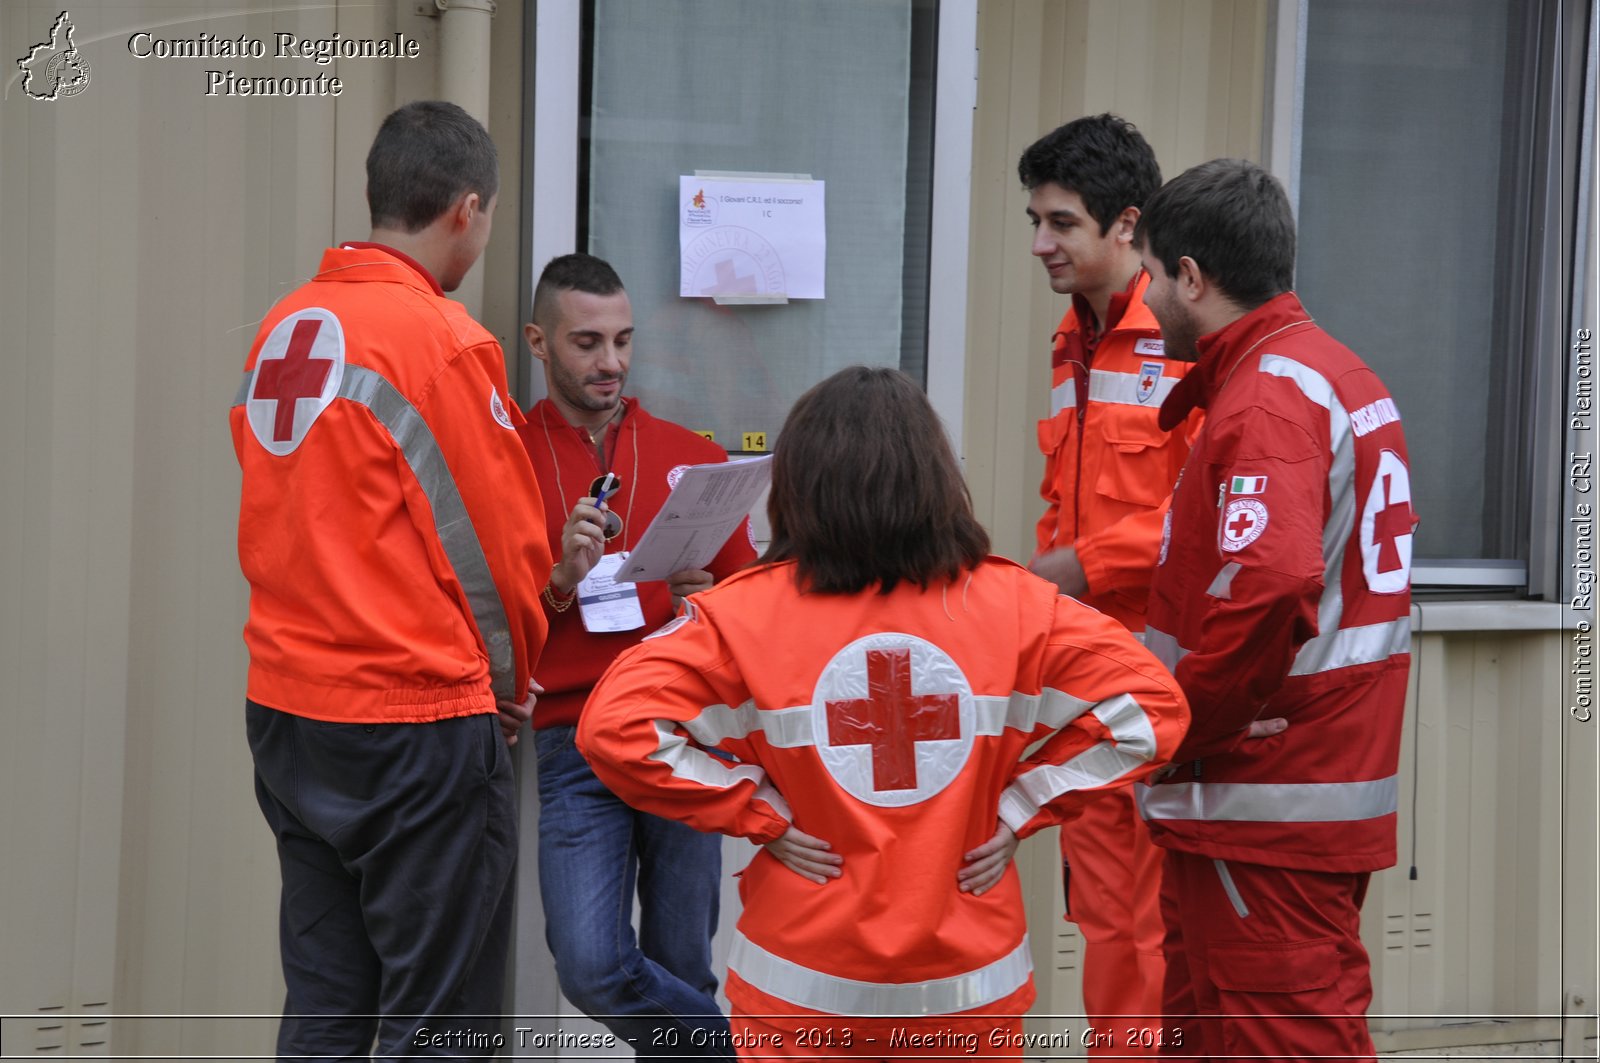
(297, 374)
(893, 719)
(1388, 525)
(1242, 523)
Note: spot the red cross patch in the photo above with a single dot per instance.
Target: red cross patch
(1242, 523)
(297, 374)
(893, 719)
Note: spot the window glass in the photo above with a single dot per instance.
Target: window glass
(823, 88)
(1412, 207)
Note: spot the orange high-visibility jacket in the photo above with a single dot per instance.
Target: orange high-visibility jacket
(894, 727)
(389, 522)
(1109, 467)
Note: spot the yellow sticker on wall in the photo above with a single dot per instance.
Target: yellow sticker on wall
(755, 441)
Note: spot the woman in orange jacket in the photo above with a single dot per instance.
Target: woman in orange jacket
(879, 679)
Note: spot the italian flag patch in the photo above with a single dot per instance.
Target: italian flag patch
(1247, 485)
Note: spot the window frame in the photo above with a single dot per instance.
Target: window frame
(554, 101)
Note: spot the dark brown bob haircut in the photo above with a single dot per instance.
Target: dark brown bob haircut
(865, 489)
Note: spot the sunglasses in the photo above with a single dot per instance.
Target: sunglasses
(600, 489)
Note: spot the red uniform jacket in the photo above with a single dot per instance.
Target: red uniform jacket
(646, 452)
(389, 524)
(894, 727)
(1284, 590)
(1109, 467)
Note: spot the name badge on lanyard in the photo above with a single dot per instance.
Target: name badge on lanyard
(606, 605)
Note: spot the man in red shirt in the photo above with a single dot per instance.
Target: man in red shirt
(1109, 468)
(593, 848)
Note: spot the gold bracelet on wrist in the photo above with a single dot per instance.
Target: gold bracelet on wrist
(560, 605)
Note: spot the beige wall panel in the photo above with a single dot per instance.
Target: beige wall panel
(1476, 934)
(65, 383)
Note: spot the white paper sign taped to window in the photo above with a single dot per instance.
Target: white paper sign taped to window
(752, 238)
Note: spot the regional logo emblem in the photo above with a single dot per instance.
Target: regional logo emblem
(55, 69)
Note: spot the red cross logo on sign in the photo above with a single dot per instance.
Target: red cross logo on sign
(1388, 525)
(902, 726)
(297, 374)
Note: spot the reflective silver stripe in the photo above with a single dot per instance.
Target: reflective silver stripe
(1132, 743)
(1165, 647)
(452, 523)
(1222, 586)
(1023, 712)
(696, 765)
(1342, 499)
(1231, 888)
(1241, 802)
(810, 988)
(784, 728)
(1064, 396)
(1122, 389)
(792, 728)
(1348, 646)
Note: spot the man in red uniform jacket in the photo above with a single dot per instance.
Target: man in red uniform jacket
(1282, 594)
(1109, 469)
(394, 541)
(657, 989)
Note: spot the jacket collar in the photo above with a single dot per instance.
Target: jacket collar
(383, 262)
(1222, 351)
(1127, 313)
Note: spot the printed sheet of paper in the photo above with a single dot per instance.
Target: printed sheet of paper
(705, 507)
(751, 238)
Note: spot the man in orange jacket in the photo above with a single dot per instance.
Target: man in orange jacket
(1109, 470)
(393, 536)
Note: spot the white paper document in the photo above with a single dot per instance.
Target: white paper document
(752, 239)
(705, 507)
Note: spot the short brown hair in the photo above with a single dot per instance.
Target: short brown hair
(427, 155)
(866, 491)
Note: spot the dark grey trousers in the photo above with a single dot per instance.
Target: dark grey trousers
(397, 844)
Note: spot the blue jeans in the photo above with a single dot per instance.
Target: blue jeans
(656, 991)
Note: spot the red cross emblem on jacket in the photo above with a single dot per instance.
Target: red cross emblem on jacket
(892, 720)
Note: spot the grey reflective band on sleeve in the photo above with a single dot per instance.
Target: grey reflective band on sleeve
(1132, 743)
(452, 523)
(1165, 646)
(1241, 802)
(820, 991)
(1341, 516)
(1353, 645)
(1222, 586)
